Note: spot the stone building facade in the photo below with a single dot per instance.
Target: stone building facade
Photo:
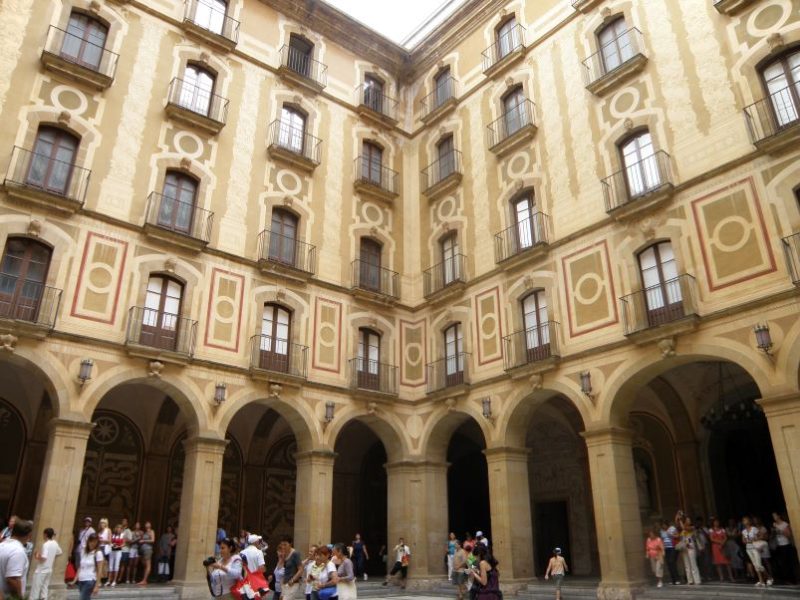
(537, 275)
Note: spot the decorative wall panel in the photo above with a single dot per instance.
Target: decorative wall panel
(327, 339)
(99, 278)
(413, 353)
(224, 310)
(591, 300)
(488, 326)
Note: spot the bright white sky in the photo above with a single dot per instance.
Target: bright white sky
(395, 20)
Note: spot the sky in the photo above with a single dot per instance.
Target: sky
(395, 20)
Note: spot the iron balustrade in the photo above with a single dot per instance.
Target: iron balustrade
(774, 114)
(449, 271)
(268, 353)
(503, 46)
(209, 17)
(441, 169)
(613, 55)
(81, 52)
(524, 235)
(374, 99)
(373, 375)
(374, 173)
(443, 91)
(448, 372)
(660, 304)
(42, 172)
(531, 345)
(182, 217)
(161, 330)
(301, 63)
(198, 100)
(511, 122)
(295, 140)
(374, 278)
(636, 180)
(791, 247)
(286, 250)
(29, 301)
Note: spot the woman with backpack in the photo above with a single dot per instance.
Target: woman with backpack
(226, 572)
(484, 574)
(89, 568)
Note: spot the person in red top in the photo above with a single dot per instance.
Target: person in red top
(654, 550)
(117, 542)
(718, 538)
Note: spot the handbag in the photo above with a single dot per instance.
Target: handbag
(405, 559)
(326, 593)
(681, 545)
(70, 573)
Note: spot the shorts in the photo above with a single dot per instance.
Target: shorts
(123, 560)
(460, 578)
(558, 579)
(399, 568)
(146, 551)
(134, 552)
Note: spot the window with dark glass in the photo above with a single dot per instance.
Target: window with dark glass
(369, 358)
(781, 79)
(210, 14)
(300, 53)
(197, 89)
(640, 163)
(370, 264)
(283, 237)
(178, 200)
(507, 38)
(537, 331)
(162, 309)
(445, 152)
(523, 208)
(292, 129)
(373, 93)
(514, 116)
(53, 160)
(275, 329)
(442, 87)
(450, 265)
(23, 272)
(661, 285)
(616, 45)
(371, 163)
(84, 41)
(454, 354)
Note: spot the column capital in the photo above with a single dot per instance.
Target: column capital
(780, 404)
(316, 455)
(607, 434)
(205, 444)
(71, 426)
(507, 453)
(415, 465)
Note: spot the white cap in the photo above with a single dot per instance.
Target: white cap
(478, 533)
(253, 538)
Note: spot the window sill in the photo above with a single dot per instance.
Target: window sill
(213, 39)
(294, 159)
(72, 71)
(525, 257)
(376, 296)
(514, 141)
(288, 271)
(367, 188)
(172, 357)
(450, 291)
(440, 111)
(786, 139)
(23, 328)
(507, 61)
(175, 238)
(450, 392)
(667, 330)
(277, 377)
(188, 117)
(378, 117)
(644, 203)
(533, 367)
(40, 198)
(445, 186)
(612, 79)
(730, 7)
(293, 77)
(585, 6)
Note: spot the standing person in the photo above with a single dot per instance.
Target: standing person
(469, 542)
(308, 564)
(451, 552)
(654, 552)
(784, 555)
(733, 547)
(44, 569)
(89, 568)
(766, 555)
(557, 567)
(360, 557)
(688, 547)
(668, 533)
(481, 539)
(292, 570)
(14, 559)
(136, 538)
(402, 556)
(718, 539)
(221, 535)
(703, 547)
(752, 542)
(484, 575)
(460, 570)
(345, 573)
(6, 533)
(278, 572)
(116, 556)
(104, 538)
(125, 555)
(227, 571)
(323, 575)
(165, 545)
(146, 551)
(83, 535)
(253, 556)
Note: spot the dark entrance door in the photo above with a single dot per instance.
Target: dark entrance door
(552, 530)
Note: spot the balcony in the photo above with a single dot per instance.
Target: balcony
(442, 176)
(375, 180)
(446, 279)
(440, 101)
(299, 68)
(774, 122)
(506, 50)
(640, 187)
(513, 129)
(608, 68)
(27, 307)
(43, 181)
(372, 377)
(449, 376)
(532, 350)
(373, 282)
(523, 242)
(661, 310)
(292, 145)
(791, 248)
(585, 6)
(287, 256)
(730, 7)
(375, 105)
(155, 334)
(276, 360)
(208, 24)
(69, 55)
(194, 106)
(177, 222)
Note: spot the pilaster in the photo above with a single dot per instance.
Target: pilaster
(314, 498)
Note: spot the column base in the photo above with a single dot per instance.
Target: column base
(192, 590)
(514, 586)
(420, 583)
(622, 590)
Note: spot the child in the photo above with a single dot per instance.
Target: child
(557, 567)
(654, 550)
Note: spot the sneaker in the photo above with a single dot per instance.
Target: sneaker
(366, 576)
(114, 584)
(769, 581)
(659, 584)
(759, 584)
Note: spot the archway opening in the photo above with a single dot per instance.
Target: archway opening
(468, 481)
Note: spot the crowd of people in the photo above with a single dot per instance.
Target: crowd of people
(746, 550)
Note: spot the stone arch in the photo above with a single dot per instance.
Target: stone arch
(55, 378)
(386, 427)
(512, 426)
(443, 422)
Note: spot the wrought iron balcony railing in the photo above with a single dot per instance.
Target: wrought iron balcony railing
(522, 236)
(531, 345)
(376, 101)
(449, 271)
(443, 91)
(295, 140)
(503, 46)
(448, 372)
(770, 116)
(637, 180)
(614, 55)
(511, 122)
(78, 51)
(441, 169)
(207, 16)
(374, 278)
(29, 301)
(791, 247)
(185, 218)
(373, 376)
(161, 330)
(43, 173)
(198, 100)
(268, 353)
(287, 251)
(373, 173)
(303, 65)
(660, 304)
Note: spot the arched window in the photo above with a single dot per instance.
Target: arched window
(526, 221)
(162, 309)
(535, 322)
(292, 130)
(301, 52)
(514, 114)
(373, 93)
(283, 237)
(210, 14)
(662, 287)
(197, 89)
(443, 88)
(781, 78)
(369, 358)
(84, 41)
(454, 354)
(53, 160)
(176, 211)
(451, 266)
(370, 264)
(640, 164)
(23, 272)
(371, 162)
(276, 324)
(507, 38)
(616, 45)
(445, 153)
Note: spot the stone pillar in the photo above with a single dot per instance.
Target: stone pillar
(616, 510)
(197, 524)
(510, 502)
(313, 499)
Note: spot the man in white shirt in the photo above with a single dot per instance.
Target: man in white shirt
(402, 556)
(44, 570)
(83, 535)
(253, 554)
(14, 560)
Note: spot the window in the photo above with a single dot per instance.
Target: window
(662, 288)
(210, 14)
(446, 155)
(454, 355)
(373, 93)
(176, 211)
(782, 81)
(283, 237)
(369, 358)
(514, 115)
(84, 41)
(162, 309)
(507, 38)
(640, 163)
(23, 271)
(300, 53)
(274, 348)
(442, 87)
(525, 220)
(53, 160)
(535, 322)
(616, 45)
(292, 130)
(197, 89)
(451, 268)
(371, 163)
(370, 264)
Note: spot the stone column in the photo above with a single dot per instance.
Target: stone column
(616, 511)
(197, 525)
(510, 502)
(314, 498)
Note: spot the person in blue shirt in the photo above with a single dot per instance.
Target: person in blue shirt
(451, 552)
